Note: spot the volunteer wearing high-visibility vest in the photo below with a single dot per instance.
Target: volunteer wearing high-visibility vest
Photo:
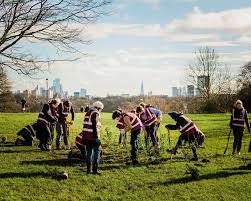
(129, 122)
(238, 120)
(91, 136)
(46, 118)
(61, 127)
(26, 135)
(150, 117)
(189, 133)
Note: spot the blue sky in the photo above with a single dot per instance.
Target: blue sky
(153, 41)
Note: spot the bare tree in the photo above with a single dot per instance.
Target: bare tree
(208, 74)
(55, 22)
(244, 81)
(244, 78)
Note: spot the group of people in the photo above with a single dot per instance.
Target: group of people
(144, 118)
(54, 115)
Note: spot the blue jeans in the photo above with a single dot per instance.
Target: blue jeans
(134, 144)
(92, 148)
(152, 133)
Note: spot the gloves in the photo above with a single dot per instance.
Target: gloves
(97, 140)
(159, 120)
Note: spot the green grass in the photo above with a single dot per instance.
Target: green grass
(25, 172)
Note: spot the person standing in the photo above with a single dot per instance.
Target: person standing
(61, 127)
(91, 136)
(238, 120)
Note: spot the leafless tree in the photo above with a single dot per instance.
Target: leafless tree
(58, 23)
(244, 78)
(208, 74)
(244, 81)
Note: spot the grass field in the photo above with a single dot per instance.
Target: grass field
(25, 172)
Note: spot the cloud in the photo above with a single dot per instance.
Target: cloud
(125, 16)
(217, 44)
(154, 3)
(230, 21)
(120, 71)
(120, 6)
(209, 28)
(104, 30)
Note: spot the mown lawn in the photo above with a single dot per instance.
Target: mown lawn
(26, 172)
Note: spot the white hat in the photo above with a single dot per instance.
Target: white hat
(98, 105)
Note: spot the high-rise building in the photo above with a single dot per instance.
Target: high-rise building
(202, 83)
(190, 90)
(175, 91)
(183, 91)
(57, 88)
(35, 92)
(142, 89)
(42, 92)
(76, 94)
(50, 93)
(83, 92)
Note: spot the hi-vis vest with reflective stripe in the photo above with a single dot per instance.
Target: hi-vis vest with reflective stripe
(151, 118)
(188, 126)
(41, 118)
(135, 121)
(239, 120)
(88, 127)
(121, 124)
(31, 130)
(79, 140)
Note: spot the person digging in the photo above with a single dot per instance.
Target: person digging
(189, 133)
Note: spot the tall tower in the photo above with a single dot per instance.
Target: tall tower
(142, 89)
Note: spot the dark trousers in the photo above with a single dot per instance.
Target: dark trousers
(238, 134)
(134, 144)
(61, 129)
(196, 139)
(92, 152)
(82, 150)
(44, 134)
(28, 138)
(152, 133)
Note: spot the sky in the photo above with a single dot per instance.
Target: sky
(153, 41)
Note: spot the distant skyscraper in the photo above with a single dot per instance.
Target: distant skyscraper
(190, 90)
(184, 91)
(50, 92)
(76, 94)
(142, 89)
(202, 83)
(57, 87)
(83, 92)
(35, 92)
(175, 91)
(42, 92)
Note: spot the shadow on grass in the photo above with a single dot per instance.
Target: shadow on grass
(17, 151)
(243, 167)
(7, 144)
(24, 174)
(188, 179)
(53, 162)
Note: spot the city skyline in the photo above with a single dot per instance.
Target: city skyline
(130, 46)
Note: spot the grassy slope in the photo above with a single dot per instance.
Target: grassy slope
(25, 171)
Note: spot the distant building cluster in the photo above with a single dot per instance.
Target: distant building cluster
(190, 90)
(56, 90)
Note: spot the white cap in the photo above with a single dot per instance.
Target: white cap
(98, 105)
